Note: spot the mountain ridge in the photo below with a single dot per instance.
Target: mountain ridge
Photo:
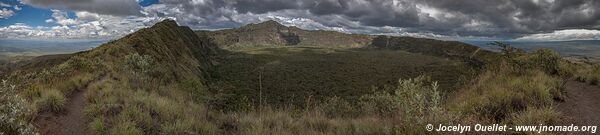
(271, 33)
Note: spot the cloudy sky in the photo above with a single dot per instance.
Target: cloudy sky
(441, 19)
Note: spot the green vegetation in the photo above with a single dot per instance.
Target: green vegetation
(168, 79)
(13, 112)
(51, 100)
(522, 89)
(49, 92)
(273, 34)
(292, 75)
(588, 73)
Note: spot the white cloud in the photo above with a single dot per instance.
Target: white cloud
(87, 16)
(17, 7)
(61, 18)
(6, 13)
(4, 4)
(569, 34)
(86, 26)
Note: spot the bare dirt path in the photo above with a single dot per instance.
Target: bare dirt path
(71, 121)
(582, 105)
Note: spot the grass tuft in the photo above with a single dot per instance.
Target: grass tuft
(51, 100)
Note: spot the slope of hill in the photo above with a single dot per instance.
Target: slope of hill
(449, 49)
(271, 33)
(152, 59)
(168, 79)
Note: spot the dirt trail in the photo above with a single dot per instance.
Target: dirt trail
(582, 105)
(71, 121)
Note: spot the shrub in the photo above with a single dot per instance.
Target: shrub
(507, 50)
(418, 102)
(229, 102)
(12, 112)
(142, 119)
(74, 83)
(588, 74)
(498, 95)
(97, 126)
(178, 127)
(535, 116)
(51, 100)
(196, 88)
(413, 96)
(338, 107)
(31, 92)
(547, 60)
(139, 64)
(380, 103)
(126, 128)
(567, 69)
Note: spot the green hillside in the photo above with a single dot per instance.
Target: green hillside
(268, 78)
(273, 34)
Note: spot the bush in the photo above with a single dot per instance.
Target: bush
(139, 64)
(126, 128)
(547, 60)
(380, 103)
(97, 127)
(51, 100)
(338, 107)
(497, 95)
(536, 116)
(588, 74)
(142, 119)
(31, 92)
(12, 112)
(507, 50)
(196, 88)
(74, 83)
(417, 101)
(178, 127)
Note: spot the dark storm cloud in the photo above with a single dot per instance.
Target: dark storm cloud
(107, 7)
(487, 18)
(526, 17)
(507, 18)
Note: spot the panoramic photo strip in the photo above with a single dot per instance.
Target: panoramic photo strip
(299, 67)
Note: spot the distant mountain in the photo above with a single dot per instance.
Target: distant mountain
(271, 33)
(41, 47)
